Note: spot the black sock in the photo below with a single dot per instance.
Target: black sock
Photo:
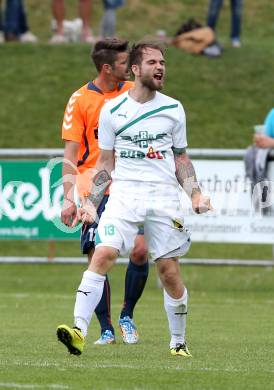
(102, 311)
(136, 277)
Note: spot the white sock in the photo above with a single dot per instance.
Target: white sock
(88, 296)
(176, 310)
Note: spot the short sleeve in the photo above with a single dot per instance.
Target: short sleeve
(106, 135)
(269, 123)
(179, 131)
(73, 125)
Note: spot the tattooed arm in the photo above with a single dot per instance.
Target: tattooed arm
(100, 182)
(186, 176)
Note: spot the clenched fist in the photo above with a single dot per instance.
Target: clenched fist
(69, 213)
(87, 213)
(200, 203)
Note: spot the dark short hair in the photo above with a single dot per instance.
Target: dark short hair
(105, 51)
(136, 52)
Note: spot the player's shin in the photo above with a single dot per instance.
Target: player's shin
(88, 296)
(176, 310)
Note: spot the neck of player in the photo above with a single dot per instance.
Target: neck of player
(105, 84)
(141, 94)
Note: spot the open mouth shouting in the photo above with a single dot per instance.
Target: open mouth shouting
(158, 76)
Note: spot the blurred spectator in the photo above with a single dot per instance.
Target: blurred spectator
(193, 37)
(58, 12)
(256, 163)
(108, 23)
(236, 16)
(15, 23)
(1, 24)
(265, 137)
(196, 39)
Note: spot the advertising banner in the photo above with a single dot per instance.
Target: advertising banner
(30, 201)
(31, 195)
(233, 218)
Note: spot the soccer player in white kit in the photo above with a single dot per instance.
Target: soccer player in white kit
(142, 140)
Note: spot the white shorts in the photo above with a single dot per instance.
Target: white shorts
(162, 220)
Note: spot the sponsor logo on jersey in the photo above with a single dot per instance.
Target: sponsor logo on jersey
(151, 153)
(143, 139)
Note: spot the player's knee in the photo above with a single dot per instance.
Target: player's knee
(168, 276)
(139, 255)
(102, 259)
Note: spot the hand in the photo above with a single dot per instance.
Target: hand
(263, 141)
(87, 213)
(69, 213)
(200, 203)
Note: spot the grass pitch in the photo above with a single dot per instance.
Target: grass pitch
(230, 333)
(230, 325)
(223, 98)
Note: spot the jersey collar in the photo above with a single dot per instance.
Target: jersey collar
(92, 87)
(120, 85)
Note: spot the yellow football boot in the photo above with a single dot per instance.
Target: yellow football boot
(180, 350)
(72, 338)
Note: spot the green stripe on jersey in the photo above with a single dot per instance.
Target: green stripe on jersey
(118, 106)
(147, 114)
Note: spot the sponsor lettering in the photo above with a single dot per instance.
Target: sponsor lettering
(151, 154)
(143, 139)
(26, 201)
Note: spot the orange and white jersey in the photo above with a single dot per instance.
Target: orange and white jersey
(80, 122)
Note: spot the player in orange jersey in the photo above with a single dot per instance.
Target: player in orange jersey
(80, 133)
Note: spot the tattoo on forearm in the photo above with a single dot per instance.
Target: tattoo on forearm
(186, 175)
(101, 181)
(101, 178)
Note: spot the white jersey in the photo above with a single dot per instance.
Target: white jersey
(143, 136)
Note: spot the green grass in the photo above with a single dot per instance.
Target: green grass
(229, 333)
(230, 315)
(223, 98)
(139, 18)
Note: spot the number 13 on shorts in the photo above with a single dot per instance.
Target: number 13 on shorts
(109, 230)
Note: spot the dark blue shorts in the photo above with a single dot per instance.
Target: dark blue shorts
(88, 232)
